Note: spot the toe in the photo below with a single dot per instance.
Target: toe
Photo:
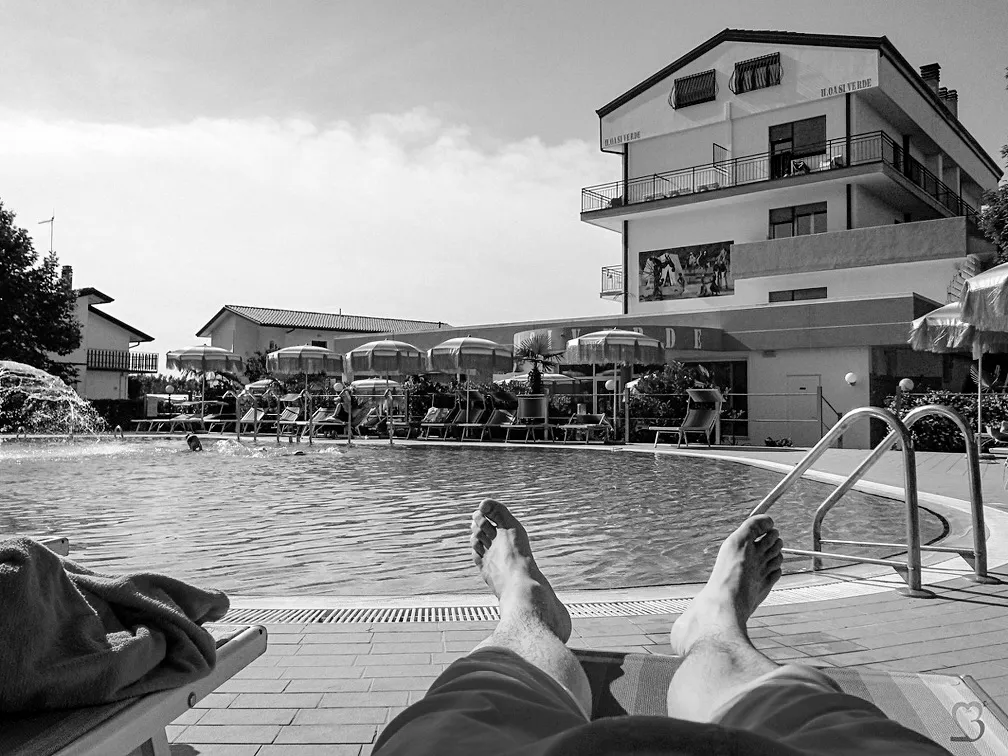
(768, 540)
(754, 527)
(773, 548)
(477, 545)
(774, 565)
(497, 513)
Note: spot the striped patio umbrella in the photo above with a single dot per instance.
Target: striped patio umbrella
(386, 358)
(305, 359)
(552, 379)
(615, 347)
(946, 330)
(202, 359)
(984, 299)
(375, 386)
(469, 355)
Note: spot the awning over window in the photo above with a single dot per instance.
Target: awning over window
(756, 73)
(694, 89)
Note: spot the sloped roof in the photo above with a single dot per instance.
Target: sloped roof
(882, 44)
(321, 321)
(140, 335)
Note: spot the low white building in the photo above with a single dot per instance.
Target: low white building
(245, 330)
(107, 355)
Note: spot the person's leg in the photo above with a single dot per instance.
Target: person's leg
(534, 623)
(719, 658)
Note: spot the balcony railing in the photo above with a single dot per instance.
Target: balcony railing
(116, 359)
(860, 149)
(612, 281)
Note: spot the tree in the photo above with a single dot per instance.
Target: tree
(994, 218)
(255, 366)
(36, 305)
(537, 349)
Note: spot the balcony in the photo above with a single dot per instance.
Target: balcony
(116, 359)
(612, 282)
(861, 149)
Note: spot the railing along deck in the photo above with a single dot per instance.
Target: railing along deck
(117, 359)
(860, 149)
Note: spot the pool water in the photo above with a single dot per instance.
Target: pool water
(379, 520)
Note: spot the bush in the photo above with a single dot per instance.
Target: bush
(940, 434)
(118, 411)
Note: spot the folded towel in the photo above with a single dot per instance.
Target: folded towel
(73, 637)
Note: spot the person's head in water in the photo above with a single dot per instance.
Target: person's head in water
(194, 443)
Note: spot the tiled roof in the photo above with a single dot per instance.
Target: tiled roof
(325, 321)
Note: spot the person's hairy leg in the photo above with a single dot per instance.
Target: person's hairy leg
(534, 623)
(719, 657)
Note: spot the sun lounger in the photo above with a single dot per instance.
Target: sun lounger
(219, 423)
(257, 414)
(590, 425)
(498, 420)
(136, 724)
(947, 709)
(438, 419)
(476, 419)
(287, 423)
(529, 426)
(703, 410)
(322, 420)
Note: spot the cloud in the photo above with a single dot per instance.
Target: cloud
(400, 215)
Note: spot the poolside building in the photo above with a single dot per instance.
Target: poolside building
(787, 203)
(245, 330)
(108, 353)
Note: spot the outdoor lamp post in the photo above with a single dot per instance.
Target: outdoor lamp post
(905, 387)
(170, 389)
(851, 378)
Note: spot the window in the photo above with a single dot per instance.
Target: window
(756, 73)
(796, 139)
(323, 344)
(800, 220)
(693, 89)
(798, 295)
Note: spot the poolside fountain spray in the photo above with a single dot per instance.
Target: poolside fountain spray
(33, 401)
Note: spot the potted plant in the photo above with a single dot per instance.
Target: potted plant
(536, 349)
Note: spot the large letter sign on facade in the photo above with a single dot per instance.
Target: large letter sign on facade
(699, 270)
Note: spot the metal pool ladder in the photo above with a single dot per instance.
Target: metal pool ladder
(898, 433)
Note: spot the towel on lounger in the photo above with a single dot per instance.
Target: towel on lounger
(73, 637)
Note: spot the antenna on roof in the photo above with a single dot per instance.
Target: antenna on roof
(52, 223)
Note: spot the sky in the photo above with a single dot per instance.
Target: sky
(395, 159)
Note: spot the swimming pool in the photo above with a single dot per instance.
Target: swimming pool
(375, 520)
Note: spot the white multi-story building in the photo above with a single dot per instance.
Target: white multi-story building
(806, 194)
(788, 203)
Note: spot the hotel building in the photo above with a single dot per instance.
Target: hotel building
(787, 204)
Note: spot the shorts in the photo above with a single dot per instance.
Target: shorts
(494, 703)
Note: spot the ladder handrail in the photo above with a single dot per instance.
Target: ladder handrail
(897, 427)
(973, 466)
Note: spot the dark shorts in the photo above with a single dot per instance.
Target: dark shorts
(494, 703)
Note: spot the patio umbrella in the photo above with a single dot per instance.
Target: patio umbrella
(374, 386)
(550, 378)
(201, 359)
(470, 356)
(984, 299)
(616, 347)
(386, 358)
(945, 330)
(306, 359)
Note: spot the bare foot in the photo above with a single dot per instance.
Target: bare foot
(744, 573)
(503, 555)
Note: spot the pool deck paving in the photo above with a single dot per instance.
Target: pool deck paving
(331, 688)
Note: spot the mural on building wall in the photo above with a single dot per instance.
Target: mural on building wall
(697, 270)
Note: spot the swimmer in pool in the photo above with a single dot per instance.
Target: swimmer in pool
(194, 443)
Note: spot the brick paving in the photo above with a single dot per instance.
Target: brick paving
(329, 689)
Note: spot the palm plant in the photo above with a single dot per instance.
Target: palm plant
(538, 349)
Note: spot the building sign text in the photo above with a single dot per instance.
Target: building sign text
(847, 86)
(621, 139)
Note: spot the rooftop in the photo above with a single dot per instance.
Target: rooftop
(321, 321)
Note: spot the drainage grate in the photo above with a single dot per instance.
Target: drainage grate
(397, 615)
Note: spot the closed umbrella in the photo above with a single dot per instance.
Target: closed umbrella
(202, 359)
(553, 379)
(616, 347)
(470, 356)
(946, 330)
